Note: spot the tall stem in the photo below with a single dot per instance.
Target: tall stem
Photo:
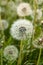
(20, 55)
(1, 48)
(39, 57)
(3, 39)
(1, 57)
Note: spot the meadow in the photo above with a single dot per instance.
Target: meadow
(21, 32)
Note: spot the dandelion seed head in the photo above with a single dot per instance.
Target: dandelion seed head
(11, 5)
(38, 14)
(11, 8)
(24, 9)
(39, 2)
(3, 24)
(21, 29)
(38, 43)
(11, 53)
(3, 2)
(2, 10)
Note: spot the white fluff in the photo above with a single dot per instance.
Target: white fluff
(39, 1)
(38, 14)
(37, 43)
(24, 9)
(3, 2)
(3, 24)
(11, 53)
(11, 8)
(23, 34)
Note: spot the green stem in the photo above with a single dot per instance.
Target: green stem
(20, 56)
(39, 57)
(3, 39)
(1, 49)
(1, 57)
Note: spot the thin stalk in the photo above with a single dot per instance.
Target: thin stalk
(1, 57)
(39, 52)
(1, 49)
(3, 39)
(20, 55)
(39, 57)
(35, 9)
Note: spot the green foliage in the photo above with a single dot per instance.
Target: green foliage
(27, 55)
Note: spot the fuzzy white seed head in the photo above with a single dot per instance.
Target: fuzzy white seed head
(11, 8)
(21, 29)
(3, 24)
(11, 5)
(11, 53)
(39, 2)
(3, 2)
(38, 14)
(2, 10)
(24, 9)
(38, 43)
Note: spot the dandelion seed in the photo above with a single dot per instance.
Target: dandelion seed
(21, 29)
(4, 24)
(38, 43)
(24, 9)
(11, 53)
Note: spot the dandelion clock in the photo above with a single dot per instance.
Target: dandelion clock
(39, 1)
(11, 53)
(24, 9)
(11, 8)
(2, 10)
(21, 29)
(3, 24)
(3, 2)
(38, 14)
(38, 43)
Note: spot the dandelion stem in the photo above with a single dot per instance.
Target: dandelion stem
(39, 57)
(3, 39)
(1, 57)
(20, 56)
(1, 49)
